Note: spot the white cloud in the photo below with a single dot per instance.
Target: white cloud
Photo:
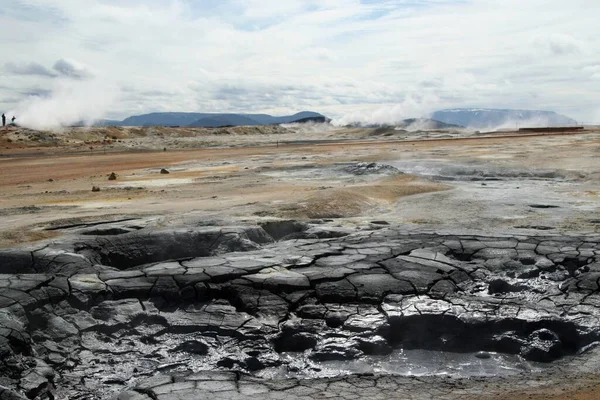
(31, 68)
(72, 69)
(342, 57)
(559, 44)
(63, 67)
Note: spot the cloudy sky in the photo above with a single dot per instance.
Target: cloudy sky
(350, 59)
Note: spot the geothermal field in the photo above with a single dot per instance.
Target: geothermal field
(301, 261)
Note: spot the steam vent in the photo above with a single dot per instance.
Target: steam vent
(277, 310)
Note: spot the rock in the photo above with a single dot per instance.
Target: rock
(57, 328)
(37, 380)
(339, 291)
(279, 279)
(336, 348)
(374, 286)
(95, 189)
(164, 171)
(542, 345)
(112, 176)
(374, 345)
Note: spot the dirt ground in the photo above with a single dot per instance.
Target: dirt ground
(299, 180)
(46, 180)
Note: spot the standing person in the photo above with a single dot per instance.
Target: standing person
(3, 120)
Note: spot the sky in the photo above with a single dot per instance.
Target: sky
(352, 60)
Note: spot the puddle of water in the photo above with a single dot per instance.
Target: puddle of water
(427, 362)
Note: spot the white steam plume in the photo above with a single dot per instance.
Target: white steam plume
(413, 106)
(516, 124)
(70, 101)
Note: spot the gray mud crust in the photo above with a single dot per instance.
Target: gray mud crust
(260, 311)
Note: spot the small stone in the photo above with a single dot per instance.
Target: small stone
(164, 171)
(95, 189)
(483, 355)
(112, 176)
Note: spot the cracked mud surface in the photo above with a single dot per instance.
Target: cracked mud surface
(231, 312)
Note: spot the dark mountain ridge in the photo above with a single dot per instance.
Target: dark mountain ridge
(211, 120)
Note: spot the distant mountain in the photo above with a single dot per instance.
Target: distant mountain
(265, 119)
(214, 121)
(211, 119)
(483, 118)
(319, 120)
(425, 124)
(163, 119)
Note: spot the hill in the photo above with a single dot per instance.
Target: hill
(211, 120)
(483, 118)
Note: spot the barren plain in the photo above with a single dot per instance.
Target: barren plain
(303, 261)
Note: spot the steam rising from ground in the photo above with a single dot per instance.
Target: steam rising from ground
(308, 127)
(69, 102)
(517, 124)
(413, 105)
